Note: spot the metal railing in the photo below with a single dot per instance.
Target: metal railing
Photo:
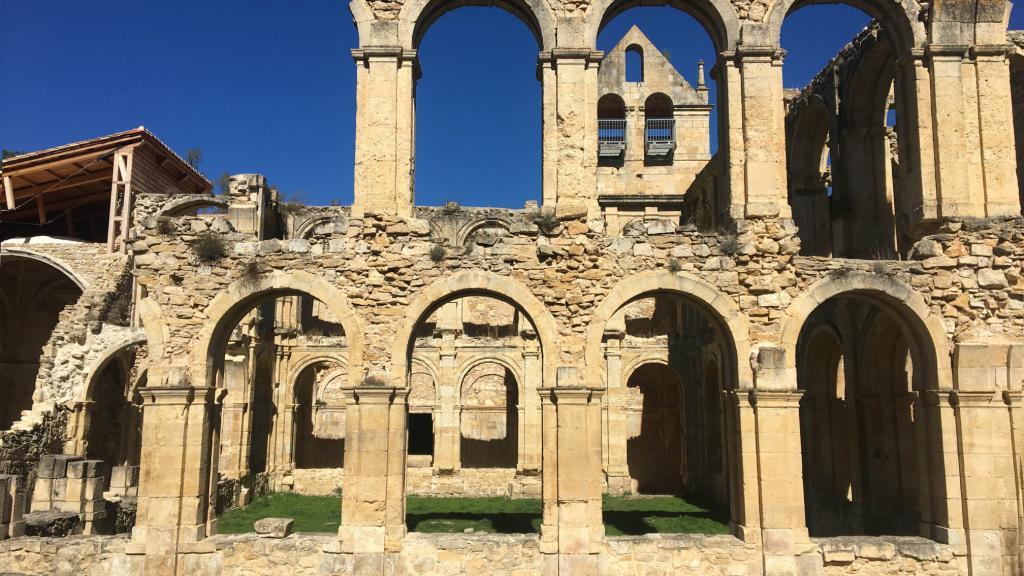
(611, 130)
(661, 130)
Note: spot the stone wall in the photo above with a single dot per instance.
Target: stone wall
(478, 555)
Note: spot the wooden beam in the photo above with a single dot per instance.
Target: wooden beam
(60, 205)
(82, 180)
(41, 209)
(9, 192)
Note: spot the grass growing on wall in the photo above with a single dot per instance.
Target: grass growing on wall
(622, 515)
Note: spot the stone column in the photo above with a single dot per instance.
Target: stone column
(572, 484)
(985, 433)
(569, 83)
(447, 434)
(530, 423)
(235, 414)
(776, 411)
(174, 474)
(616, 429)
(385, 124)
(373, 510)
(757, 133)
(996, 131)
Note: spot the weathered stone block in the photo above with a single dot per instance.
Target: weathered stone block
(273, 527)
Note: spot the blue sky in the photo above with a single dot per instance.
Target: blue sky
(269, 86)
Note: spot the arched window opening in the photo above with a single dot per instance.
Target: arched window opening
(659, 128)
(673, 443)
(474, 359)
(634, 64)
(490, 417)
(478, 124)
(659, 160)
(32, 296)
(320, 416)
(842, 77)
(865, 441)
(114, 417)
(280, 363)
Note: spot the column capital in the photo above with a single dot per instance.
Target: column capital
(975, 398)
(377, 395)
(175, 395)
(367, 53)
(583, 55)
(776, 398)
(574, 395)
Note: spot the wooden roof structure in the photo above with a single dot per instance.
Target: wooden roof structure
(86, 178)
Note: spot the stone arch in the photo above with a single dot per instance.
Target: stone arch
(639, 361)
(430, 370)
(469, 228)
(510, 366)
(718, 17)
(901, 18)
(474, 283)
(312, 360)
(107, 420)
(926, 331)
(179, 205)
(718, 305)
(109, 354)
(416, 17)
(228, 307)
(81, 281)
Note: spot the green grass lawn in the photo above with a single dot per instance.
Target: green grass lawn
(622, 515)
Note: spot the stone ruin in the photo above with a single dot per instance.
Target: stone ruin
(818, 330)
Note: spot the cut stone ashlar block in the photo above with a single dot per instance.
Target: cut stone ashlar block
(12, 507)
(55, 465)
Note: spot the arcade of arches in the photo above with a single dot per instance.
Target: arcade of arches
(817, 333)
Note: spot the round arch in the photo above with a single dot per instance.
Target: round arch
(629, 369)
(56, 263)
(901, 18)
(504, 362)
(474, 283)
(97, 366)
(231, 304)
(718, 305)
(416, 17)
(718, 17)
(179, 205)
(311, 360)
(468, 229)
(925, 331)
(808, 140)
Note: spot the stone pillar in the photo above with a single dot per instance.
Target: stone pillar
(235, 413)
(174, 474)
(996, 132)
(530, 422)
(741, 465)
(757, 132)
(569, 83)
(385, 124)
(616, 429)
(12, 507)
(985, 431)
(776, 411)
(373, 510)
(572, 484)
(447, 436)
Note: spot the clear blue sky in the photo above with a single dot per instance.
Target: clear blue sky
(269, 86)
